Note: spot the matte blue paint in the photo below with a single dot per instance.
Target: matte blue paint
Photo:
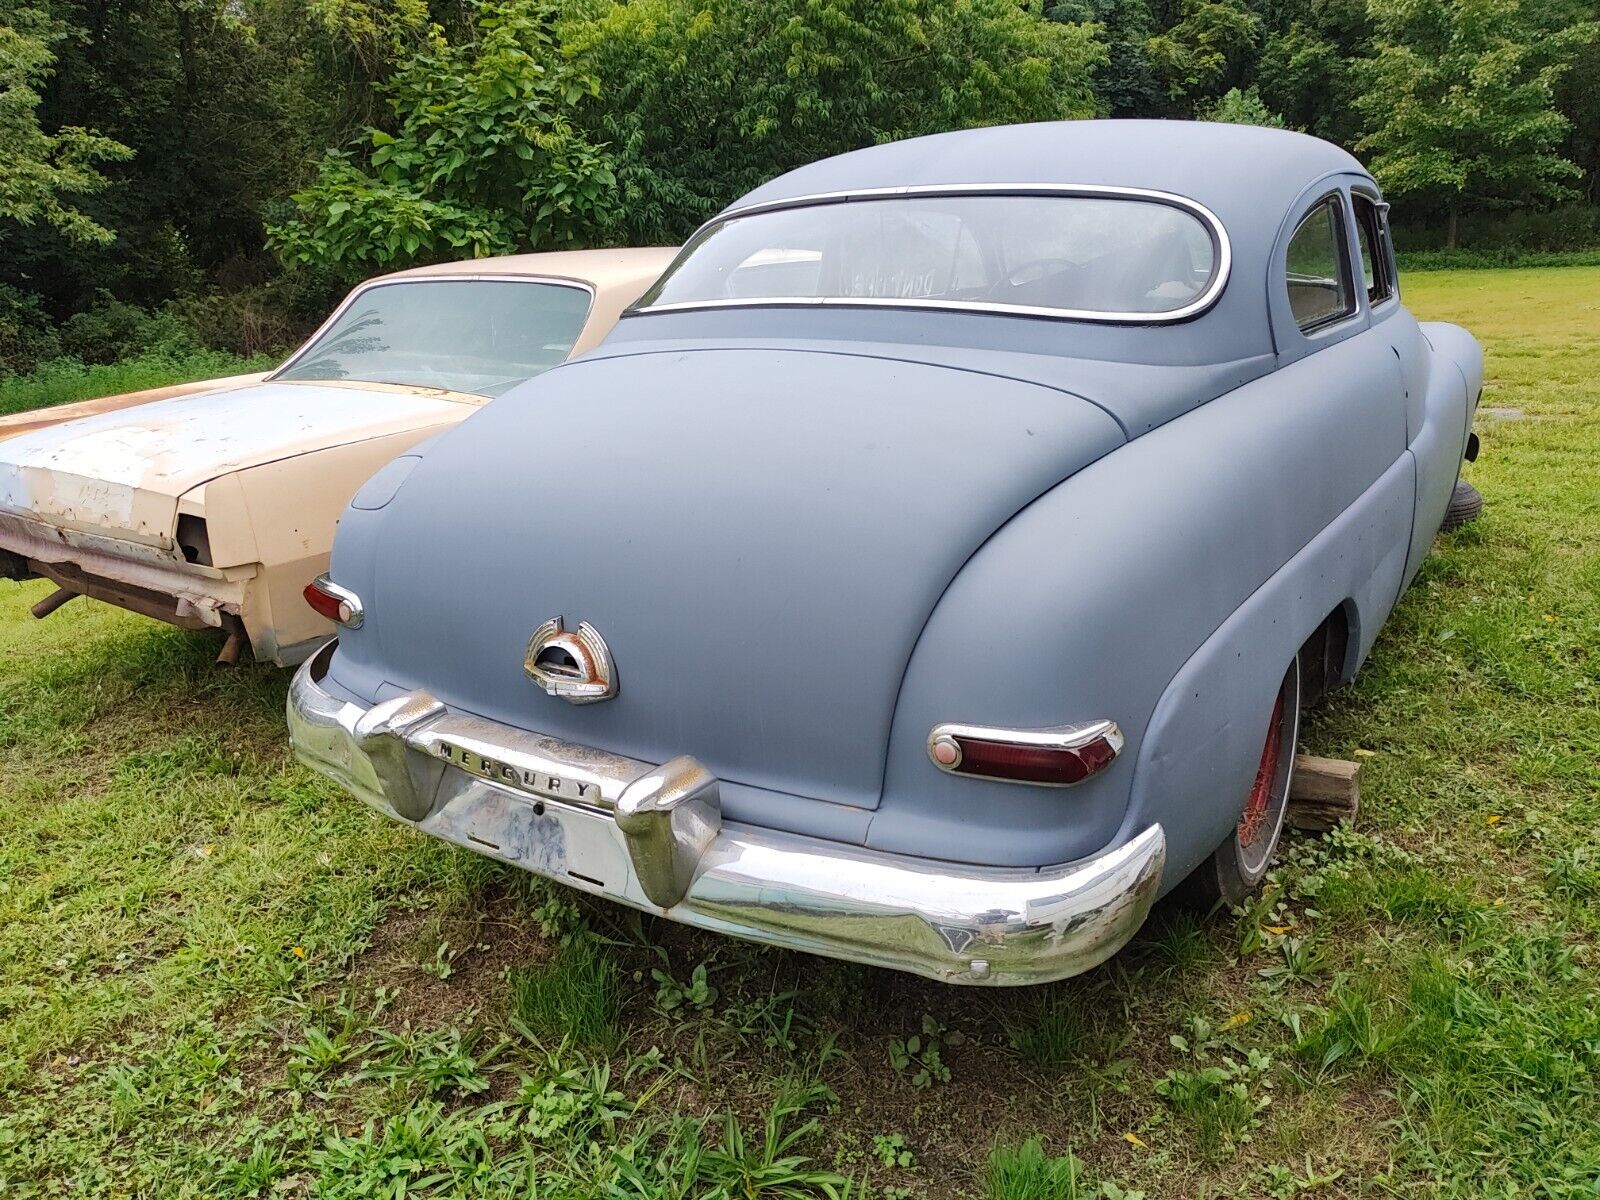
(810, 535)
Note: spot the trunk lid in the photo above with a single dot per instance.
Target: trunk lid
(121, 472)
(758, 535)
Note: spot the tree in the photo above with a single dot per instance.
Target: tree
(1127, 83)
(1309, 68)
(1459, 100)
(1242, 108)
(1195, 53)
(704, 99)
(41, 172)
(484, 158)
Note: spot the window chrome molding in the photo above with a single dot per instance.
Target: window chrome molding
(1386, 250)
(1222, 248)
(463, 277)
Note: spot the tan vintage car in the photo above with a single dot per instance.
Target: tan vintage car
(212, 506)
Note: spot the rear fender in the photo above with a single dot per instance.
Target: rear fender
(1202, 743)
(1088, 603)
(1455, 377)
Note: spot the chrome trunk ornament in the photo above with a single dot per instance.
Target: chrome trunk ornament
(574, 666)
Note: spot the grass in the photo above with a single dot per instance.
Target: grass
(65, 380)
(220, 977)
(574, 996)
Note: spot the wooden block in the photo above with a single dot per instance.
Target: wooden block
(1323, 792)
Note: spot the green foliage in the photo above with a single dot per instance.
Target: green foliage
(573, 995)
(26, 335)
(1460, 100)
(484, 157)
(64, 380)
(1309, 70)
(111, 331)
(1243, 108)
(921, 1056)
(704, 99)
(1195, 53)
(1027, 1172)
(42, 172)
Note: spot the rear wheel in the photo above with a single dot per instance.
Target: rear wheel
(1237, 867)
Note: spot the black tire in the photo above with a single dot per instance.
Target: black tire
(1466, 504)
(1236, 868)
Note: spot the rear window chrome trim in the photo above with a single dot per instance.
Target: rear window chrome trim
(1221, 248)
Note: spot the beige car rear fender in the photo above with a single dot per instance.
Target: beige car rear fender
(280, 518)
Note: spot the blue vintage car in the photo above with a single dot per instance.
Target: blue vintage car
(931, 568)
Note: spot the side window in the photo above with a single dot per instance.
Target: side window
(1319, 278)
(1376, 271)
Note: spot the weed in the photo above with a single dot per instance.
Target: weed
(1302, 960)
(698, 994)
(1027, 1172)
(1222, 1096)
(920, 1054)
(575, 994)
(1285, 1183)
(1049, 1031)
(890, 1150)
(432, 1061)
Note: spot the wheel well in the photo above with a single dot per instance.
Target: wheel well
(1325, 656)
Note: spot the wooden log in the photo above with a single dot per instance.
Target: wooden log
(1323, 792)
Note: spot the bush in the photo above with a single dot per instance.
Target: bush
(1570, 228)
(112, 331)
(268, 318)
(1465, 260)
(26, 338)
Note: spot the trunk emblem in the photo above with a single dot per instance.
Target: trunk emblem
(574, 666)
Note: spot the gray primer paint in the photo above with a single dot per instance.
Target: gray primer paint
(810, 535)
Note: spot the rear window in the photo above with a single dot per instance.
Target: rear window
(1058, 255)
(480, 336)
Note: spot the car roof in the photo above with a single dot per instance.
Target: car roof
(601, 268)
(1248, 177)
(1246, 174)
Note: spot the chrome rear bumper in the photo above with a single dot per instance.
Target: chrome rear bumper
(652, 836)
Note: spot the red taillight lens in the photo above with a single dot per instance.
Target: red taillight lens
(339, 605)
(1053, 757)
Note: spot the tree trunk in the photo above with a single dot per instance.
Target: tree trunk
(1451, 228)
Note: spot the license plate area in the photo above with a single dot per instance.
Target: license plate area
(576, 846)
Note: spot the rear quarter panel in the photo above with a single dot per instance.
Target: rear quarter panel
(282, 516)
(1138, 591)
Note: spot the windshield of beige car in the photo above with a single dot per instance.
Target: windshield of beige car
(1069, 255)
(480, 336)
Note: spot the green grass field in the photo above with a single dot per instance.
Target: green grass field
(220, 977)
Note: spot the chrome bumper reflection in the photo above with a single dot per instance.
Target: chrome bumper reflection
(652, 836)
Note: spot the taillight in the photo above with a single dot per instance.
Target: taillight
(1055, 757)
(339, 605)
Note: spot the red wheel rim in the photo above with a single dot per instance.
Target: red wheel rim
(1259, 804)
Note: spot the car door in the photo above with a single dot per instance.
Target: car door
(1340, 358)
(1433, 391)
